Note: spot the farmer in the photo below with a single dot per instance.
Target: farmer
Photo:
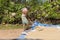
(23, 16)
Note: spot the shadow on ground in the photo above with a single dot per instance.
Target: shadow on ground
(21, 39)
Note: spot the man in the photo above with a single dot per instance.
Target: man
(23, 16)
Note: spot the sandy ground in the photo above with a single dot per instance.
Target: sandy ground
(10, 34)
(45, 34)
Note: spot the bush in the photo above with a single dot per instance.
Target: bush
(8, 7)
(39, 10)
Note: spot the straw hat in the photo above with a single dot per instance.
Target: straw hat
(24, 10)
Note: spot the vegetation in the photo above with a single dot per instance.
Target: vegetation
(10, 26)
(10, 12)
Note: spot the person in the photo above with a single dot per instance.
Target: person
(23, 16)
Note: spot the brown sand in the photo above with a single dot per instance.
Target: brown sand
(10, 34)
(45, 34)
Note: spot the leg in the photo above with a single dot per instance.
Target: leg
(23, 26)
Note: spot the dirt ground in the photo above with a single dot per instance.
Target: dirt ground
(45, 34)
(10, 34)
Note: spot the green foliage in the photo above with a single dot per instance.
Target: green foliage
(47, 10)
(39, 10)
(8, 7)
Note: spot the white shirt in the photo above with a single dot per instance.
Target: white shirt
(24, 19)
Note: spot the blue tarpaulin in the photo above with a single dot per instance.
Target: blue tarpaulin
(36, 23)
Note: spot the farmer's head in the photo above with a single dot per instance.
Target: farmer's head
(25, 10)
